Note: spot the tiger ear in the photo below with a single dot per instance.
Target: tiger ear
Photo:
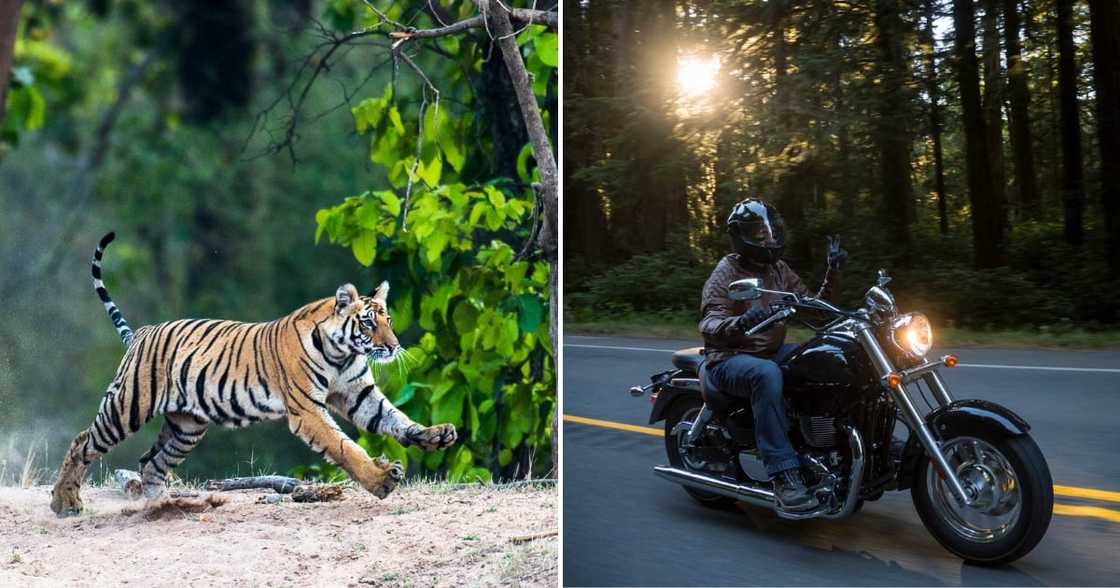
(344, 296)
(382, 292)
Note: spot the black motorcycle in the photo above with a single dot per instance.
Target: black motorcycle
(979, 482)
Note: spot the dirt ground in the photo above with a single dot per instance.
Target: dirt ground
(421, 535)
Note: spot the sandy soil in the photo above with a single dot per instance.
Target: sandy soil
(422, 535)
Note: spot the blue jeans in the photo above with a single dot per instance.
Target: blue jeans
(760, 380)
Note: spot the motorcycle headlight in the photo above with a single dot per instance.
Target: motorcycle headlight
(912, 333)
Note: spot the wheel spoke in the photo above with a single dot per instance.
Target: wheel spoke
(997, 505)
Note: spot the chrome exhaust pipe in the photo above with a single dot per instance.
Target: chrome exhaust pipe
(855, 478)
(749, 494)
(765, 498)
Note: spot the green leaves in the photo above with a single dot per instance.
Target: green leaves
(529, 313)
(548, 49)
(364, 247)
(391, 203)
(474, 314)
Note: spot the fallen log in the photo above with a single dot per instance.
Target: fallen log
(281, 484)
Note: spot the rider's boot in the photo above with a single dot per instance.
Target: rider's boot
(791, 493)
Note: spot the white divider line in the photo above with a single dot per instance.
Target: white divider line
(960, 365)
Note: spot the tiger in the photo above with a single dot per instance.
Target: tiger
(301, 367)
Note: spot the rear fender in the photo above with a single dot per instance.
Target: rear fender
(666, 396)
(963, 417)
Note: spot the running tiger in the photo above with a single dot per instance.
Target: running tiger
(199, 371)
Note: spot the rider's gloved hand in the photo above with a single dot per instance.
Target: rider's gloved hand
(837, 255)
(752, 317)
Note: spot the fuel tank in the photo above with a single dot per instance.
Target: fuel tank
(824, 376)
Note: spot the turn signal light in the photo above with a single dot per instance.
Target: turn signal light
(950, 360)
(894, 380)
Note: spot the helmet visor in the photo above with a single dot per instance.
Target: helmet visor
(758, 224)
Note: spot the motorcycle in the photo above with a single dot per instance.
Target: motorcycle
(979, 482)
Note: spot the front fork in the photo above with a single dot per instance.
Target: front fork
(901, 396)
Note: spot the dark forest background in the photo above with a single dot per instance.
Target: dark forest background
(231, 176)
(971, 148)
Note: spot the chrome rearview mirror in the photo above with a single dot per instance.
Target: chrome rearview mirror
(884, 279)
(745, 289)
(879, 298)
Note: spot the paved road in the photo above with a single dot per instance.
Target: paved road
(624, 526)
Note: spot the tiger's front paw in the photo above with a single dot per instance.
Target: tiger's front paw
(392, 474)
(66, 503)
(432, 438)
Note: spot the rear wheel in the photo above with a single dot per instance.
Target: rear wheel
(1013, 498)
(686, 410)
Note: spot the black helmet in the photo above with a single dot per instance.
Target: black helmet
(757, 232)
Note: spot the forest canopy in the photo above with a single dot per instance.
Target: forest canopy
(971, 148)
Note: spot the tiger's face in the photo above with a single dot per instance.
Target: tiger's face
(362, 325)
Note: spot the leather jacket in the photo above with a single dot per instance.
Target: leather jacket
(722, 338)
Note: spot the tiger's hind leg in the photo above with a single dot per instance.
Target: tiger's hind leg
(109, 428)
(181, 433)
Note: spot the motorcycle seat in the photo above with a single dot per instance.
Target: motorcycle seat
(689, 359)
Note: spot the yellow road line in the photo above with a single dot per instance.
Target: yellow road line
(1090, 493)
(614, 425)
(1059, 490)
(1087, 511)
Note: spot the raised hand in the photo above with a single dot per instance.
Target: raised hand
(837, 255)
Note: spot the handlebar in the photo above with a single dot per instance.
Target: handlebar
(777, 316)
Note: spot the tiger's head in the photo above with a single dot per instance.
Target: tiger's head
(361, 324)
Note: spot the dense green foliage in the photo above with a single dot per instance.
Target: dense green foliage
(811, 104)
(211, 222)
(445, 240)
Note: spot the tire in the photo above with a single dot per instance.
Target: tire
(687, 408)
(1009, 541)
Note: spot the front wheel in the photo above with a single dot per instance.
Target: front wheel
(1013, 504)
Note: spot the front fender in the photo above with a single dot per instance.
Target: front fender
(665, 398)
(969, 416)
(962, 417)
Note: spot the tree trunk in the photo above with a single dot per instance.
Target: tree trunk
(1020, 119)
(893, 134)
(546, 164)
(791, 197)
(993, 107)
(585, 221)
(1073, 190)
(933, 88)
(216, 47)
(1105, 34)
(9, 26)
(987, 230)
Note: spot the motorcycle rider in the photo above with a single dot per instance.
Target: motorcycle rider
(748, 366)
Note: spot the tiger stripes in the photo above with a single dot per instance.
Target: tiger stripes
(197, 372)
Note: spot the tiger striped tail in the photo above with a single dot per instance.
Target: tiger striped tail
(115, 315)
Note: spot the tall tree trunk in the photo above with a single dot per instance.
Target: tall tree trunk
(216, 47)
(933, 89)
(892, 131)
(9, 26)
(987, 230)
(791, 200)
(1021, 142)
(993, 106)
(658, 189)
(546, 165)
(1073, 189)
(585, 222)
(1105, 34)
